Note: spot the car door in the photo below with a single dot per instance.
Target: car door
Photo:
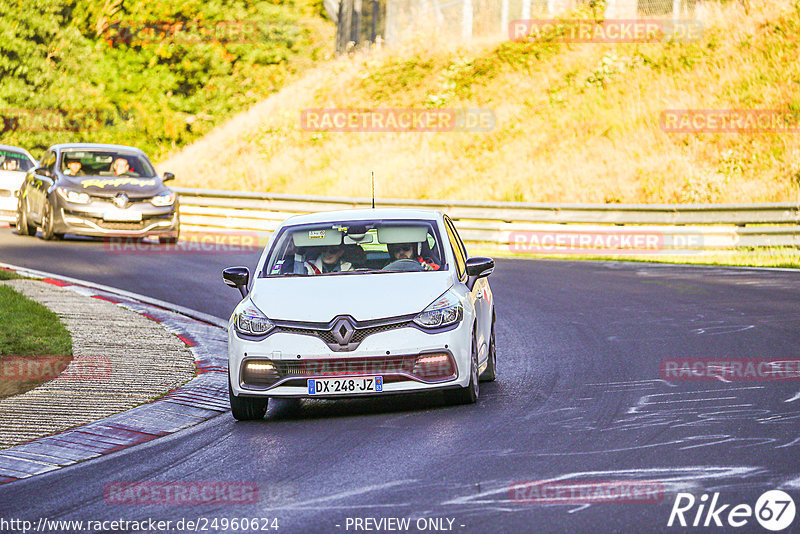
(477, 294)
(43, 177)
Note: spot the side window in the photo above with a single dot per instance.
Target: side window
(460, 241)
(458, 249)
(49, 160)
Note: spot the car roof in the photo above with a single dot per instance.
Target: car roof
(364, 215)
(96, 146)
(17, 149)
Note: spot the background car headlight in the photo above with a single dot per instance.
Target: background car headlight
(165, 199)
(444, 311)
(73, 196)
(250, 321)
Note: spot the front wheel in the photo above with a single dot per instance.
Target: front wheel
(469, 394)
(247, 409)
(488, 374)
(48, 224)
(23, 228)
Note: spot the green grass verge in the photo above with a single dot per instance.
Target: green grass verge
(8, 275)
(28, 328)
(785, 257)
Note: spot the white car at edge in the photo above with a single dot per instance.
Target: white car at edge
(361, 303)
(14, 163)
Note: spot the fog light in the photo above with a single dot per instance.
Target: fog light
(433, 367)
(259, 373)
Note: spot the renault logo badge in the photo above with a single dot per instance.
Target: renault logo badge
(121, 200)
(343, 331)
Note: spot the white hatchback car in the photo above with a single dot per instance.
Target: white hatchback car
(14, 163)
(361, 303)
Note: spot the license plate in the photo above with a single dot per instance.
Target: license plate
(122, 216)
(345, 386)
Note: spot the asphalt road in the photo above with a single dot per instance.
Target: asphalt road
(578, 398)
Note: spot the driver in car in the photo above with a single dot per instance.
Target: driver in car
(10, 164)
(330, 261)
(74, 167)
(411, 251)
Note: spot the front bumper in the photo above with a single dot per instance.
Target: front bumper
(310, 357)
(8, 205)
(93, 219)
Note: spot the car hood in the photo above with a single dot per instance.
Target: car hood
(11, 180)
(362, 296)
(109, 186)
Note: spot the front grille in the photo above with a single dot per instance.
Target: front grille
(5, 193)
(326, 334)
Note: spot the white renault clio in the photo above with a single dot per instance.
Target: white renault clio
(361, 303)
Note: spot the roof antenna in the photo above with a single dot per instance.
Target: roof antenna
(373, 189)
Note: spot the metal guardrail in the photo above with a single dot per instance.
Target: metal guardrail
(524, 226)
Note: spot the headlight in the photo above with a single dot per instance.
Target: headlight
(165, 199)
(444, 311)
(73, 196)
(250, 321)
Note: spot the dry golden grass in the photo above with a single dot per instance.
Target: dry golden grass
(559, 137)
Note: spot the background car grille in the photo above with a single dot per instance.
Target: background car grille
(115, 225)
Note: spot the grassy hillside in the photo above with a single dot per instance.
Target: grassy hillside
(152, 73)
(575, 122)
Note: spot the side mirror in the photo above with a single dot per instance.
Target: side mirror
(43, 171)
(478, 267)
(167, 177)
(237, 277)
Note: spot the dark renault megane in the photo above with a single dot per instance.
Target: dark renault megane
(97, 190)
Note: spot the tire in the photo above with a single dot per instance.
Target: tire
(48, 224)
(488, 374)
(247, 409)
(23, 228)
(469, 394)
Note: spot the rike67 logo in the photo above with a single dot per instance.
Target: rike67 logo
(774, 510)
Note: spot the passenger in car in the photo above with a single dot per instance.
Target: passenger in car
(411, 251)
(120, 166)
(329, 261)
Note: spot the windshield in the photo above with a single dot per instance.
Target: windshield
(355, 247)
(14, 161)
(105, 163)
